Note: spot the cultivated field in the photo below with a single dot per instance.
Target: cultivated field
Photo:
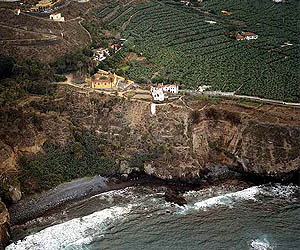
(181, 44)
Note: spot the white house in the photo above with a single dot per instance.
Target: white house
(169, 88)
(57, 17)
(101, 54)
(157, 94)
(17, 12)
(249, 35)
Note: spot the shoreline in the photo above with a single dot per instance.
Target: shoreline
(30, 216)
(48, 208)
(45, 203)
(40, 204)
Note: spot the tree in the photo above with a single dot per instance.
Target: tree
(6, 66)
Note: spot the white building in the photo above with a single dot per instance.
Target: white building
(202, 88)
(210, 22)
(17, 12)
(157, 94)
(249, 35)
(171, 88)
(57, 17)
(101, 54)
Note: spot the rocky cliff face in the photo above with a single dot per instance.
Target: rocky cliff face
(180, 142)
(4, 225)
(260, 148)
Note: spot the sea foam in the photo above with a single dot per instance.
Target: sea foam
(259, 244)
(76, 232)
(226, 200)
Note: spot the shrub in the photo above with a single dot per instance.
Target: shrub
(234, 118)
(195, 116)
(212, 113)
(138, 160)
(6, 66)
(57, 165)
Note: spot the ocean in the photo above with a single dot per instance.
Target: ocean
(220, 217)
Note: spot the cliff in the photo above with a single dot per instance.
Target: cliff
(180, 142)
(4, 225)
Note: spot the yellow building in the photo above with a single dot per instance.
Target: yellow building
(44, 5)
(108, 80)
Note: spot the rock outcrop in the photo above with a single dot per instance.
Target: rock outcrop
(4, 226)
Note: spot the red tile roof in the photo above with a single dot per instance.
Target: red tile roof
(238, 36)
(248, 34)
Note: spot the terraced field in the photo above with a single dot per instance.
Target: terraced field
(181, 45)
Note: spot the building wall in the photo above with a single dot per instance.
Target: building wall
(102, 85)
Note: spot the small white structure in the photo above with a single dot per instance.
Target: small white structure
(157, 94)
(101, 54)
(249, 35)
(57, 17)
(153, 108)
(17, 12)
(280, 1)
(187, 3)
(286, 44)
(202, 88)
(210, 22)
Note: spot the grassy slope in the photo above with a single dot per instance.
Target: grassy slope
(46, 41)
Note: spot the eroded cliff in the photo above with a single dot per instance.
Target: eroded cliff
(180, 141)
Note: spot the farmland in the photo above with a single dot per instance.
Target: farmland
(180, 45)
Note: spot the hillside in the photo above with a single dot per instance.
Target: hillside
(196, 46)
(31, 37)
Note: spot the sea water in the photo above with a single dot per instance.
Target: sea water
(221, 217)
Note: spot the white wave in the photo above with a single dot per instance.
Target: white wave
(281, 191)
(76, 232)
(261, 245)
(121, 192)
(225, 199)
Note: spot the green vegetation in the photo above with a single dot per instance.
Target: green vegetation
(57, 165)
(6, 66)
(20, 78)
(25, 77)
(180, 46)
(115, 63)
(138, 160)
(78, 61)
(99, 39)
